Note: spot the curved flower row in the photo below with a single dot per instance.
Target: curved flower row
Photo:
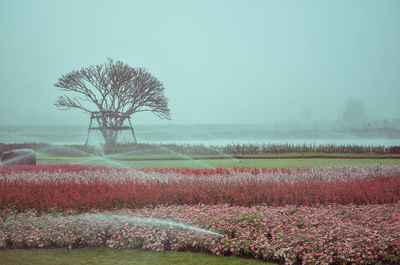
(340, 234)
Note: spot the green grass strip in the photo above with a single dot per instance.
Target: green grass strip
(223, 163)
(114, 256)
(170, 156)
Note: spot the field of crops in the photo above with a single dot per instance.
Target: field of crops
(337, 215)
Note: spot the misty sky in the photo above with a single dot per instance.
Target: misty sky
(220, 61)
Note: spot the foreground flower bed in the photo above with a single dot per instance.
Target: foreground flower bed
(340, 234)
(320, 216)
(82, 188)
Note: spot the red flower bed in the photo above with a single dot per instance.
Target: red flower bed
(83, 188)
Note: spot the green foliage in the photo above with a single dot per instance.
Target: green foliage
(219, 163)
(113, 256)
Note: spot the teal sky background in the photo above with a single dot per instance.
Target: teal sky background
(221, 61)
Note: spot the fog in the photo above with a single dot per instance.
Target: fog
(221, 62)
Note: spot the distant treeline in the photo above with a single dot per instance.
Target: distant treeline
(197, 149)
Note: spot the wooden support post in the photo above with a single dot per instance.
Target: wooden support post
(133, 133)
(98, 115)
(90, 127)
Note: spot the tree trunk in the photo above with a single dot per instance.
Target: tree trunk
(109, 129)
(110, 139)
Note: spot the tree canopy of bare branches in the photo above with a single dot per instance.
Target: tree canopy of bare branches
(113, 91)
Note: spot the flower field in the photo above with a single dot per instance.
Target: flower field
(82, 188)
(341, 234)
(346, 215)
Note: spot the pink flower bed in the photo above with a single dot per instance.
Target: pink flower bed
(167, 175)
(339, 234)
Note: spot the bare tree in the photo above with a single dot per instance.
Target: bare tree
(112, 92)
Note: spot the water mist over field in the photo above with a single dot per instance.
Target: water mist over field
(198, 134)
